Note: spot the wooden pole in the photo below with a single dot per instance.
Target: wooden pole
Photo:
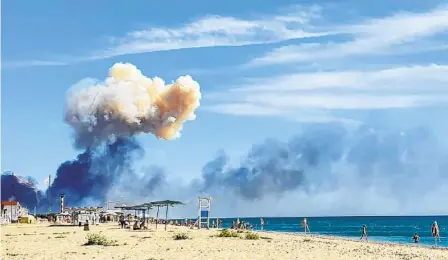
(166, 216)
(157, 217)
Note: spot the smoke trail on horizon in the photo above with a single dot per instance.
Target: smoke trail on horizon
(326, 158)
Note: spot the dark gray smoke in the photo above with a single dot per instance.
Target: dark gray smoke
(108, 167)
(326, 169)
(22, 189)
(93, 177)
(327, 157)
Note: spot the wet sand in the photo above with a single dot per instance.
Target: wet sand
(28, 241)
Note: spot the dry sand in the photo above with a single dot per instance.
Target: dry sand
(44, 242)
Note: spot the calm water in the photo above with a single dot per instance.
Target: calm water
(391, 229)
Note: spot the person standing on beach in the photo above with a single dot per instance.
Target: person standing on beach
(122, 221)
(262, 223)
(435, 232)
(364, 233)
(305, 225)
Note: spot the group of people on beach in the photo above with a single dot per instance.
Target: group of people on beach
(241, 225)
(435, 232)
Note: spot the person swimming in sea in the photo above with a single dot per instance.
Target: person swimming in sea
(305, 225)
(416, 238)
(364, 233)
(435, 232)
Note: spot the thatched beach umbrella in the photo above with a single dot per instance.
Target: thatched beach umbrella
(165, 203)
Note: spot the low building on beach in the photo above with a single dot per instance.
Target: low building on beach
(12, 211)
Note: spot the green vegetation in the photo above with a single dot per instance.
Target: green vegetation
(181, 236)
(99, 240)
(252, 236)
(228, 233)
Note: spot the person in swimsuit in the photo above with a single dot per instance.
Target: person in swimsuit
(416, 238)
(305, 225)
(435, 232)
(262, 223)
(364, 233)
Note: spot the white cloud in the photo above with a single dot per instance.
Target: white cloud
(212, 31)
(406, 78)
(332, 101)
(389, 35)
(31, 63)
(303, 95)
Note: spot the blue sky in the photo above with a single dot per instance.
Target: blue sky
(266, 70)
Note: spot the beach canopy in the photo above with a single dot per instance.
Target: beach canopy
(149, 205)
(165, 203)
(146, 205)
(137, 207)
(171, 203)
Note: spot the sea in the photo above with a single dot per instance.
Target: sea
(383, 229)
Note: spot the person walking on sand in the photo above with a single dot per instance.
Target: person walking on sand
(435, 232)
(305, 225)
(262, 223)
(364, 233)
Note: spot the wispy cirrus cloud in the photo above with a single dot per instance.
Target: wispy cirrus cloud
(421, 78)
(400, 33)
(216, 31)
(296, 95)
(289, 23)
(31, 63)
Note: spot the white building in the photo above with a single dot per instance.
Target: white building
(12, 210)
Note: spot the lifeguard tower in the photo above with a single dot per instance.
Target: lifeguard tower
(204, 211)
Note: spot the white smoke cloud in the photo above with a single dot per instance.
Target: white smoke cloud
(128, 103)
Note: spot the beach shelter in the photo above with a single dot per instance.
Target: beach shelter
(28, 219)
(167, 204)
(144, 207)
(135, 208)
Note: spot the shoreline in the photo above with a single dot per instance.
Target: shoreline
(39, 241)
(354, 240)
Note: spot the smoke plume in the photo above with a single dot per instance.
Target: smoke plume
(94, 172)
(128, 103)
(328, 169)
(16, 187)
(105, 117)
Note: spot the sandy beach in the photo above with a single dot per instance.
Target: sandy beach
(43, 242)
